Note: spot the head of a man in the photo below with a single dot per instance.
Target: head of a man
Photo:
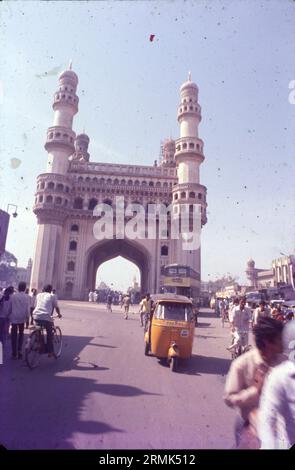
(22, 287)
(262, 305)
(242, 303)
(268, 337)
(147, 296)
(48, 288)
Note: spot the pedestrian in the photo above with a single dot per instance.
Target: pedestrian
(109, 302)
(20, 314)
(46, 303)
(5, 311)
(90, 296)
(146, 311)
(276, 414)
(126, 304)
(33, 297)
(261, 311)
(247, 373)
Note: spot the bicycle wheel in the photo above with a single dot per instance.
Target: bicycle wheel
(32, 350)
(57, 342)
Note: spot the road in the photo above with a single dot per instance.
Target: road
(103, 393)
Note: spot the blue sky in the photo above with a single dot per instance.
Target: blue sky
(241, 55)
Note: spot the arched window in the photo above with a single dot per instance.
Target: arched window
(108, 202)
(200, 196)
(175, 196)
(191, 145)
(42, 185)
(158, 184)
(165, 184)
(92, 204)
(50, 185)
(78, 203)
(164, 250)
(40, 198)
(116, 181)
(87, 180)
(75, 228)
(109, 181)
(95, 180)
(73, 245)
(71, 266)
(49, 199)
(80, 178)
(123, 182)
(130, 182)
(151, 183)
(183, 195)
(144, 183)
(192, 194)
(102, 181)
(58, 200)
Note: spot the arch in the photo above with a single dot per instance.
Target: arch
(183, 195)
(75, 228)
(58, 200)
(92, 204)
(164, 250)
(192, 194)
(106, 250)
(49, 199)
(78, 203)
(50, 185)
(73, 245)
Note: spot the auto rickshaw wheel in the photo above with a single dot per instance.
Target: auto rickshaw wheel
(174, 363)
(146, 348)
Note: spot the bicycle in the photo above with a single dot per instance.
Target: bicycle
(36, 345)
(224, 316)
(242, 346)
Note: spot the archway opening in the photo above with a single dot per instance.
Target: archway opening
(107, 250)
(120, 276)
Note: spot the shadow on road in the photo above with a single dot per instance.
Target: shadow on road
(54, 397)
(198, 365)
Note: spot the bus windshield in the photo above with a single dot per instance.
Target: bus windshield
(173, 311)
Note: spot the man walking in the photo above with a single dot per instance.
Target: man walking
(20, 313)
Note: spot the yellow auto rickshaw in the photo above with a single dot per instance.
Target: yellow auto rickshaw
(170, 333)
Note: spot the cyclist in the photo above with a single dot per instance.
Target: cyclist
(46, 302)
(241, 317)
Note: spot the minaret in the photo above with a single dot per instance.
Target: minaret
(188, 158)
(168, 151)
(60, 137)
(53, 195)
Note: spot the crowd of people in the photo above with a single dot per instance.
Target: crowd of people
(20, 308)
(261, 385)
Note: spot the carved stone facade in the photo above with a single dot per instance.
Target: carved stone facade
(67, 254)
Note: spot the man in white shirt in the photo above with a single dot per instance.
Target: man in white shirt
(46, 302)
(261, 311)
(20, 313)
(276, 415)
(241, 317)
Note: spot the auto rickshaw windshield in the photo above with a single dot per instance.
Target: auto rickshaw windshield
(173, 311)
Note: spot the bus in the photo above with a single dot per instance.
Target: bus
(182, 280)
